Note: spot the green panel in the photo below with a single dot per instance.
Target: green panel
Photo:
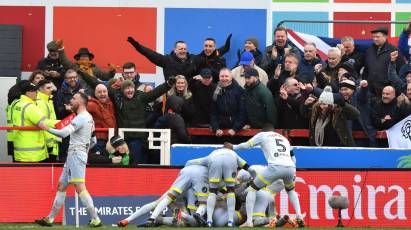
(401, 16)
(301, 1)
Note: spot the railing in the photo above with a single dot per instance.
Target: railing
(289, 133)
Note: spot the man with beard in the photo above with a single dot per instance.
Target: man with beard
(275, 53)
(247, 61)
(81, 130)
(258, 101)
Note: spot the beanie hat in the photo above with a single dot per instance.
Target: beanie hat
(327, 96)
(116, 141)
(254, 41)
(347, 83)
(126, 84)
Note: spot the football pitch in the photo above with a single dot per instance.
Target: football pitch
(36, 227)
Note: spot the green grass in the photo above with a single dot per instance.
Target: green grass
(35, 227)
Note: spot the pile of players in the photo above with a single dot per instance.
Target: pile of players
(211, 192)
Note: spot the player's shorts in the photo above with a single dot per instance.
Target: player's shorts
(275, 172)
(276, 186)
(181, 184)
(74, 170)
(185, 180)
(262, 200)
(222, 168)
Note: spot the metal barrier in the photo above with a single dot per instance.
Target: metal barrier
(164, 139)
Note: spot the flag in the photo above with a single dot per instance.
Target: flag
(399, 136)
(323, 43)
(66, 121)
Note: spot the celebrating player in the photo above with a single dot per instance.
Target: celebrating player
(82, 138)
(222, 167)
(276, 149)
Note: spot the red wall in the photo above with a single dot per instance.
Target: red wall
(359, 31)
(104, 30)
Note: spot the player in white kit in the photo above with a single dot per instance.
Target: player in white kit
(222, 170)
(82, 138)
(276, 149)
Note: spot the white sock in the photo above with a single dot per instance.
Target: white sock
(210, 206)
(141, 211)
(161, 206)
(249, 204)
(201, 209)
(58, 202)
(295, 202)
(231, 206)
(88, 202)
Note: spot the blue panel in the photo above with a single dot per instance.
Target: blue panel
(110, 209)
(307, 157)
(403, 1)
(320, 29)
(194, 25)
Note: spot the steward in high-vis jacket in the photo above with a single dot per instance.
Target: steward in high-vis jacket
(46, 106)
(29, 146)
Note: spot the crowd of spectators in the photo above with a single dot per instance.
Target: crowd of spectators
(349, 91)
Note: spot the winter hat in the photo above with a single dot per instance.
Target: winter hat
(116, 141)
(126, 84)
(254, 41)
(327, 96)
(347, 66)
(347, 83)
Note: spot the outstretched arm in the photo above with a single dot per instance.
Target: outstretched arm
(152, 55)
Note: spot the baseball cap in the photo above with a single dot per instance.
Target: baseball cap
(206, 73)
(347, 83)
(28, 87)
(246, 58)
(381, 29)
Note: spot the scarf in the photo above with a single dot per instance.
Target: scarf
(86, 66)
(319, 132)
